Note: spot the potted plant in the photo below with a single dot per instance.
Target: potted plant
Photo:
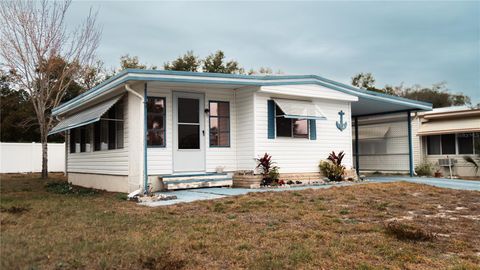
(438, 173)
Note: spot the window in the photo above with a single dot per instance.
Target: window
(465, 143)
(433, 145)
(290, 127)
(156, 113)
(80, 139)
(448, 144)
(452, 144)
(108, 132)
(72, 141)
(219, 123)
(85, 138)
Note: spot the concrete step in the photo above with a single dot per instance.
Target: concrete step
(183, 181)
(181, 177)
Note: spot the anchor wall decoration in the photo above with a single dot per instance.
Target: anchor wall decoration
(341, 125)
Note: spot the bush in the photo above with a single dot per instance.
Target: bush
(67, 188)
(274, 174)
(424, 169)
(269, 171)
(333, 168)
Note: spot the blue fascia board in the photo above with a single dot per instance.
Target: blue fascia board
(94, 89)
(371, 92)
(269, 78)
(243, 80)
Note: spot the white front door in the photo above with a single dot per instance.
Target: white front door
(188, 132)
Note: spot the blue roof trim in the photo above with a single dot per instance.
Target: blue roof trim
(372, 92)
(246, 80)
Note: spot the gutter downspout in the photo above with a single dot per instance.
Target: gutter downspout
(144, 138)
(357, 161)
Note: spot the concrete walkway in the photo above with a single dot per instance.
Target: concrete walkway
(191, 195)
(438, 182)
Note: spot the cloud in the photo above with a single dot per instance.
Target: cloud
(410, 42)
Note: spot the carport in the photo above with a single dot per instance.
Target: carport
(382, 133)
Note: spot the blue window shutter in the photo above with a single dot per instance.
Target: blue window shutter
(271, 119)
(312, 123)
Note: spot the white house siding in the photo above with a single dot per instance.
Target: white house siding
(221, 156)
(294, 155)
(160, 160)
(112, 162)
(245, 129)
(417, 141)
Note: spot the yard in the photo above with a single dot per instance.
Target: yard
(343, 227)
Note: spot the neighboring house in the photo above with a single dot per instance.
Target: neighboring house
(447, 133)
(193, 125)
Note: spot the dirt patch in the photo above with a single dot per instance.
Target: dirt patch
(405, 231)
(14, 209)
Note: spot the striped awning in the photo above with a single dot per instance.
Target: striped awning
(82, 118)
(300, 109)
(449, 126)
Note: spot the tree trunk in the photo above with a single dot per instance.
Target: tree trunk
(43, 139)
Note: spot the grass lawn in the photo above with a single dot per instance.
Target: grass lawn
(336, 228)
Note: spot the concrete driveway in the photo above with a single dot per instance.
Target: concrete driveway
(438, 182)
(191, 195)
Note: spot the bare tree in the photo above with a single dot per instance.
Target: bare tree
(47, 57)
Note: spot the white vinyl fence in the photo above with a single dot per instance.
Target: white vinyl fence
(27, 157)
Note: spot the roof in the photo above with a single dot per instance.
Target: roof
(450, 113)
(231, 79)
(452, 109)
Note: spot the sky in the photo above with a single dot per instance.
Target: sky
(398, 42)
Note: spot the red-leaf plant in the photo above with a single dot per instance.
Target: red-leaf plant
(336, 159)
(265, 163)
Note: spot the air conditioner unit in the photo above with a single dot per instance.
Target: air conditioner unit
(446, 162)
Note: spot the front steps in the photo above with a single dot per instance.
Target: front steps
(186, 181)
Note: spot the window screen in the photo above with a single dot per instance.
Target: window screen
(448, 144)
(465, 143)
(433, 145)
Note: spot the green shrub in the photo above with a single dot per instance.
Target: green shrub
(333, 168)
(67, 188)
(424, 169)
(331, 171)
(274, 174)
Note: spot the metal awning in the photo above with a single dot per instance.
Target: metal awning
(300, 109)
(448, 127)
(88, 116)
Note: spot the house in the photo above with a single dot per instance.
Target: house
(447, 135)
(146, 128)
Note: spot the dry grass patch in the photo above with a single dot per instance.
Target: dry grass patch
(337, 228)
